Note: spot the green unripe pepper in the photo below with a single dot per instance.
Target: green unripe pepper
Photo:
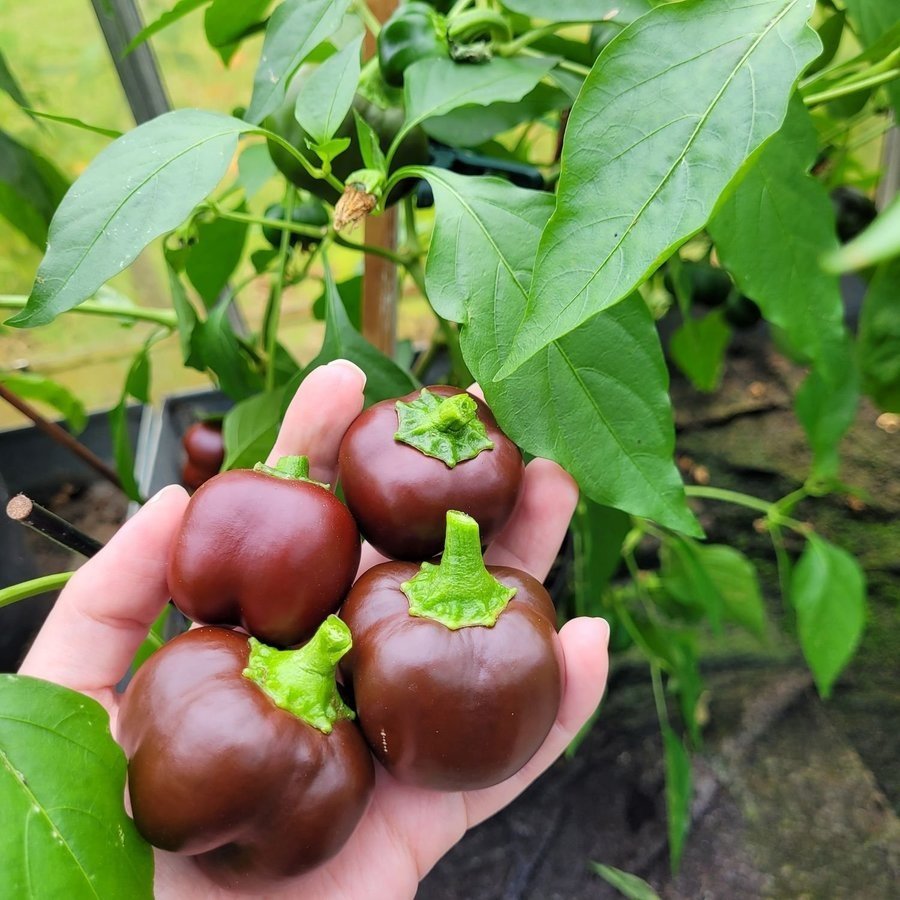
(414, 31)
(311, 212)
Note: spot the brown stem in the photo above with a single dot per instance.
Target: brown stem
(60, 435)
(25, 511)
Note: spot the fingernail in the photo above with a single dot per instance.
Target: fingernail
(349, 365)
(605, 625)
(166, 490)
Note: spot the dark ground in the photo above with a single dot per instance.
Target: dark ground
(794, 798)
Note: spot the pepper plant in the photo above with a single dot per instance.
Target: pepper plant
(665, 147)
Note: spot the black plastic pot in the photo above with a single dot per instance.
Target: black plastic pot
(33, 464)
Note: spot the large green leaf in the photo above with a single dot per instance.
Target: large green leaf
(141, 186)
(596, 401)
(879, 338)
(255, 168)
(324, 99)
(218, 347)
(828, 591)
(30, 189)
(32, 386)
(227, 22)
(668, 115)
(295, 29)
(435, 87)
(686, 578)
(771, 232)
(581, 10)
(212, 260)
(62, 781)
(384, 378)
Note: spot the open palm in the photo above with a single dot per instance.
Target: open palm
(107, 608)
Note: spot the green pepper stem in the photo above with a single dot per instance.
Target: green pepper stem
(458, 592)
(446, 428)
(303, 681)
(291, 468)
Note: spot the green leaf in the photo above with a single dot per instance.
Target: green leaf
(830, 33)
(698, 348)
(595, 401)
(879, 339)
(62, 779)
(351, 298)
(668, 115)
(187, 322)
(473, 125)
(141, 186)
(324, 99)
(227, 21)
(678, 793)
(826, 404)
(211, 261)
(879, 242)
(137, 385)
(686, 579)
(598, 532)
(781, 215)
(369, 145)
(255, 168)
(170, 17)
(625, 883)
(77, 123)
(384, 378)
(435, 87)
(9, 85)
(221, 351)
(737, 583)
(580, 10)
(30, 189)
(295, 29)
(36, 387)
(828, 591)
(250, 428)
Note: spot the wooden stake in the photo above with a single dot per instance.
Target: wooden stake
(25, 511)
(380, 285)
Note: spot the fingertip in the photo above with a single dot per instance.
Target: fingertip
(588, 631)
(552, 477)
(359, 374)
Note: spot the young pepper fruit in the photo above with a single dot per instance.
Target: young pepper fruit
(205, 452)
(404, 463)
(245, 757)
(456, 669)
(266, 549)
(414, 31)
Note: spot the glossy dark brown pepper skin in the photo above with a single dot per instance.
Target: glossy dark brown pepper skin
(218, 772)
(400, 497)
(452, 710)
(204, 453)
(272, 555)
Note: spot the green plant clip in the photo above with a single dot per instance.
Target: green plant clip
(446, 428)
(302, 681)
(458, 592)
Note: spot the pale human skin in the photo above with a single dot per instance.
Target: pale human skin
(107, 608)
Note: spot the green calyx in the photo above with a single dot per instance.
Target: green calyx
(458, 592)
(291, 468)
(445, 428)
(302, 681)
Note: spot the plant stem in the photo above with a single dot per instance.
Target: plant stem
(529, 37)
(372, 250)
(842, 90)
(313, 170)
(369, 18)
(284, 224)
(33, 588)
(772, 511)
(164, 317)
(273, 307)
(565, 64)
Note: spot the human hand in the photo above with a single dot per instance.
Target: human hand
(107, 608)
